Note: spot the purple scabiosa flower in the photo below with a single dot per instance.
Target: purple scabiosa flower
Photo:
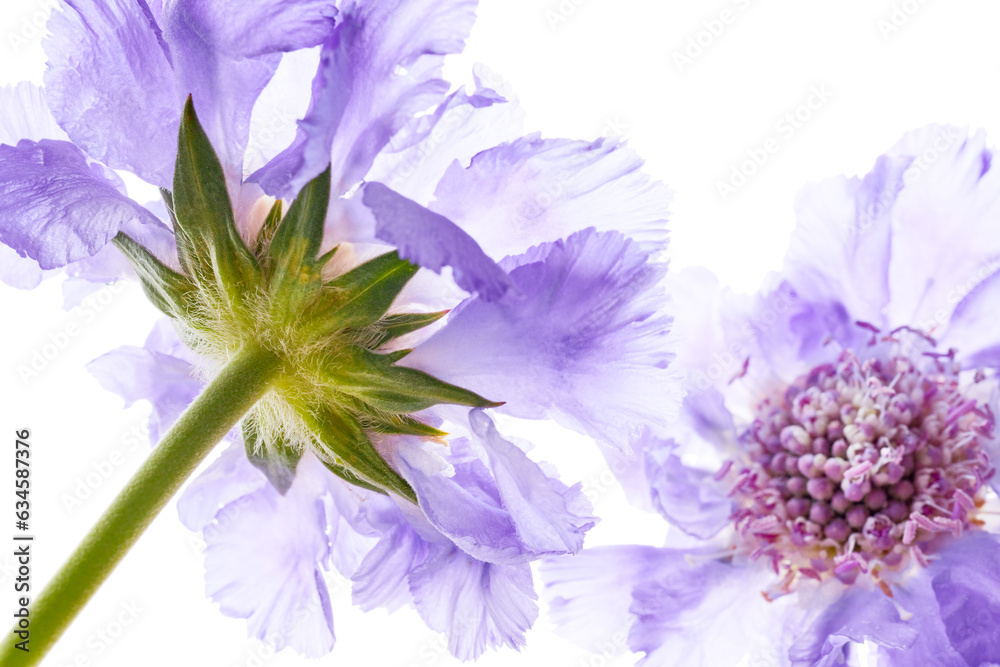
(832, 474)
(424, 280)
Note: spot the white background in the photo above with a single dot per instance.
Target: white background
(582, 68)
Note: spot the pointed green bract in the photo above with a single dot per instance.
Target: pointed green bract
(169, 291)
(362, 296)
(274, 457)
(404, 425)
(374, 380)
(295, 272)
(394, 326)
(208, 243)
(343, 441)
(267, 230)
(349, 477)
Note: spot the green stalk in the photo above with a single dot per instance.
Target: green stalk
(242, 382)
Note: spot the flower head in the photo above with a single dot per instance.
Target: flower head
(410, 279)
(833, 470)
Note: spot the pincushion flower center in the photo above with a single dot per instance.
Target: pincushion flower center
(861, 467)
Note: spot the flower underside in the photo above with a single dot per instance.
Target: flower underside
(862, 467)
(336, 388)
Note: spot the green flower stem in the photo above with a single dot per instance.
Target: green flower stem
(242, 382)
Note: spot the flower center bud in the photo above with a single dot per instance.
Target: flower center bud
(860, 467)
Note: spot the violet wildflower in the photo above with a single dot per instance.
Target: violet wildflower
(364, 331)
(833, 470)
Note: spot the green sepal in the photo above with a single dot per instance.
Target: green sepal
(349, 477)
(343, 441)
(403, 425)
(210, 247)
(393, 326)
(168, 200)
(277, 460)
(363, 295)
(372, 379)
(267, 230)
(295, 272)
(168, 290)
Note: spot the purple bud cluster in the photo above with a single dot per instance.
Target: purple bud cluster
(861, 465)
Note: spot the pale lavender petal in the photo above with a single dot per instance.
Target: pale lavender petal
(686, 496)
(226, 482)
(433, 242)
(966, 583)
(533, 191)
(479, 605)
(20, 272)
(681, 607)
(111, 86)
(916, 597)
(465, 507)
(382, 580)
(579, 339)
(550, 517)
(380, 67)
(26, 115)
(839, 251)
(225, 52)
(416, 158)
(55, 208)
(943, 222)
(280, 590)
(136, 373)
(792, 334)
(685, 608)
(708, 329)
(252, 28)
(590, 594)
(970, 330)
(858, 615)
(108, 265)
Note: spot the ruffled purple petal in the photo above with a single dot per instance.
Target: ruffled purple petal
(500, 508)
(686, 496)
(681, 607)
(382, 579)
(228, 480)
(108, 265)
(839, 251)
(466, 507)
(943, 223)
(55, 208)
(433, 242)
(26, 115)
(691, 602)
(479, 605)
(971, 329)
(111, 86)
(20, 272)
(263, 563)
(534, 191)
(136, 373)
(966, 583)
(550, 517)
(858, 615)
(119, 72)
(932, 644)
(225, 52)
(379, 68)
(579, 339)
(590, 594)
(416, 158)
